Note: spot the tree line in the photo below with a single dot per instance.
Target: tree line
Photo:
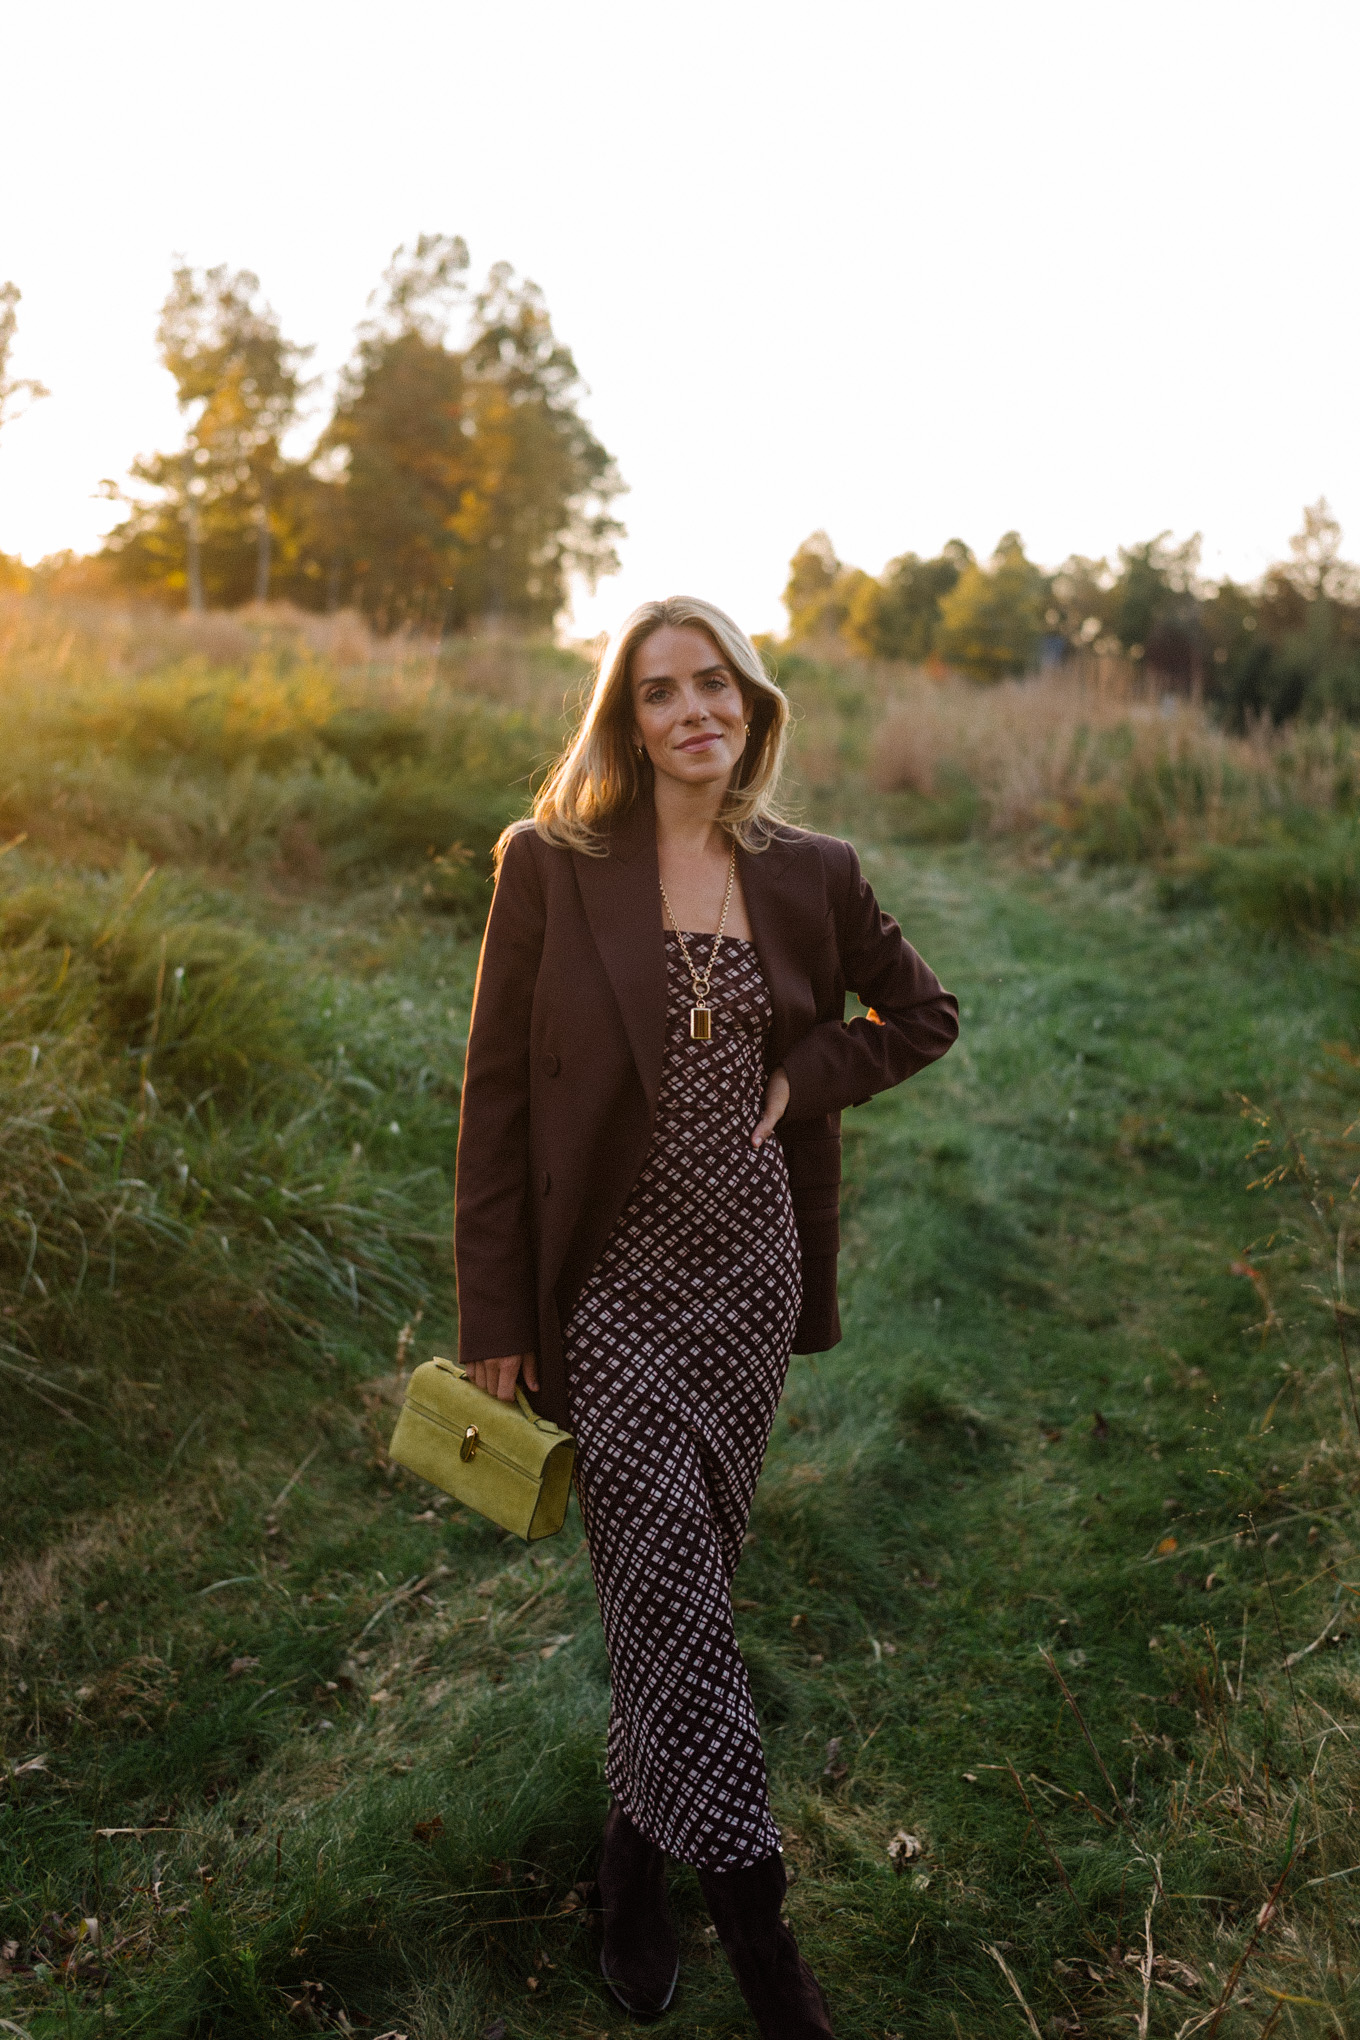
(1285, 645)
(455, 479)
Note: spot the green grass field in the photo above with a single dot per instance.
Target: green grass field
(290, 1745)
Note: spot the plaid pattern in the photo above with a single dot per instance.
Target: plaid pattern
(676, 1356)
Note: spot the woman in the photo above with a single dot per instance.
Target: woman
(661, 991)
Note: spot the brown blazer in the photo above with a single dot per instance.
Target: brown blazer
(564, 1061)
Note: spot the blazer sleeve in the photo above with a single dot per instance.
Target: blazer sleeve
(913, 1020)
(493, 1247)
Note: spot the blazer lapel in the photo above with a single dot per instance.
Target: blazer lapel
(787, 907)
(621, 894)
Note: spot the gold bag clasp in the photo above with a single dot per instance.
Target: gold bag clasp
(469, 1444)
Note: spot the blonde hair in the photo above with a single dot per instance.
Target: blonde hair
(600, 775)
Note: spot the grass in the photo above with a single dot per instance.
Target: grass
(290, 1745)
(1083, 763)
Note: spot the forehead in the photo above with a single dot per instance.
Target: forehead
(675, 651)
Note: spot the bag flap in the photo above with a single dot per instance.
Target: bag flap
(510, 1429)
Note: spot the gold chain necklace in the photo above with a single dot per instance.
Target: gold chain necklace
(700, 1014)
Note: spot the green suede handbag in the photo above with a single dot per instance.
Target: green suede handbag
(499, 1458)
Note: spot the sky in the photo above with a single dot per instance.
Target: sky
(901, 271)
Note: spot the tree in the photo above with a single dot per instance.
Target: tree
(1291, 646)
(1315, 567)
(1154, 608)
(820, 592)
(13, 573)
(897, 616)
(211, 527)
(1080, 604)
(469, 484)
(992, 619)
(13, 387)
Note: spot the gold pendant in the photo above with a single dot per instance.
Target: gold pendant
(700, 1023)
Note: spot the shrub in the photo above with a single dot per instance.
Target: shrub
(1299, 889)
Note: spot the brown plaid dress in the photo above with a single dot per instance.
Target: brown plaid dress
(676, 1356)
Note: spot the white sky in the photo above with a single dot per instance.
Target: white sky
(901, 270)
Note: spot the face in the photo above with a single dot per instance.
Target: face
(688, 709)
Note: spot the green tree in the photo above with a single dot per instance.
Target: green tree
(897, 616)
(1290, 646)
(992, 620)
(468, 483)
(1154, 608)
(820, 592)
(1080, 604)
(212, 525)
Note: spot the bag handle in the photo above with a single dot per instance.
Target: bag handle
(526, 1407)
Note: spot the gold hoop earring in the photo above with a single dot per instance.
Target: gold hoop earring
(747, 728)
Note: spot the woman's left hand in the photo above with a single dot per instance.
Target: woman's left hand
(776, 1105)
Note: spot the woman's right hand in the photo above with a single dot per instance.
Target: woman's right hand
(498, 1377)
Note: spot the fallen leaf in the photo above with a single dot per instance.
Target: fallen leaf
(531, 1983)
(428, 1830)
(1179, 1975)
(747, 1607)
(970, 1777)
(309, 2006)
(554, 1644)
(33, 1764)
(495, 2031)
(798, 1621)
(241, 1664)
(486, 1588)
(903, 1849)
(1166, 1546)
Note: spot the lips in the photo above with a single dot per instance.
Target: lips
(701, 743)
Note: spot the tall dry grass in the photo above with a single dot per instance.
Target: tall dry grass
(1088, 762)
(1043, 750)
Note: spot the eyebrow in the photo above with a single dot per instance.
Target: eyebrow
(700, 673)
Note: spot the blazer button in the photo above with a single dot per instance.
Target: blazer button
(551, 1065)
(546, 1180)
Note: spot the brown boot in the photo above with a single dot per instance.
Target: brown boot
(640, 1959)
(776, 1983)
